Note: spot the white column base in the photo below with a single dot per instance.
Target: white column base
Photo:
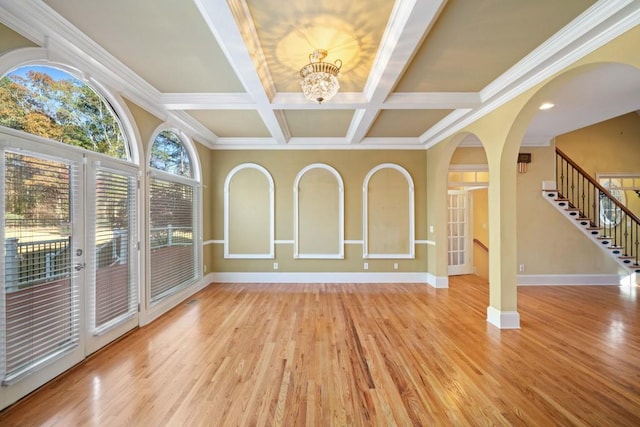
(503, 319)
(439, 282)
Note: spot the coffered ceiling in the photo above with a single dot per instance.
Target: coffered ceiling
(414, 71)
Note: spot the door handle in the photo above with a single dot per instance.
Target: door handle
(79, 266)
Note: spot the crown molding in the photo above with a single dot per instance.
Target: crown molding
(600, 24)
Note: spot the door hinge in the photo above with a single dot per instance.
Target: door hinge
(138, 307)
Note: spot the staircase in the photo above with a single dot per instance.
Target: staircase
(580, 198)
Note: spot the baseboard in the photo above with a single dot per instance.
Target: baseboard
(568, 279)
(503, 319)
(306, 277)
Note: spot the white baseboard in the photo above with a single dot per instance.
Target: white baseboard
(568, 279)
(306, 277)
(503, 319)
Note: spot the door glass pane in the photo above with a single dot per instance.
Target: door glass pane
(114, 291)
(41, 312)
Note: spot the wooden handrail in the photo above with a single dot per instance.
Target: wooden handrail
(482, 245)
(596, 184)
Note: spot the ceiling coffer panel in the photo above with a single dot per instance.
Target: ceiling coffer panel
(232, 123)
(405, 123)
(319, 124)
(289, 31)
(166, 42)
(473, 42)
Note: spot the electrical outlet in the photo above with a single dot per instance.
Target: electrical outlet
(521, 268)
(395, 265)
(275, 265)
(366, 265)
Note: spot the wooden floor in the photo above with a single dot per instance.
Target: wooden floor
(355, 354)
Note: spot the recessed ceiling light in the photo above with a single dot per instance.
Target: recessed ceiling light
(546, 105)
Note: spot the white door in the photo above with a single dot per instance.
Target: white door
(58, 303)
(460, 252)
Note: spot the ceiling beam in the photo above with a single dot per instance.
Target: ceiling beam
(409, 23)
(232, 26)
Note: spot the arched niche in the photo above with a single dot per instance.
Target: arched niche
(249, 213)
(388, 213)
(318, 195)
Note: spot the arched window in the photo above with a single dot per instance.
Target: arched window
(173, 221)
(51, 103)
(170, 155)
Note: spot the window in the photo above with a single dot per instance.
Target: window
(173, 221)
(51, 103)
(610, 213)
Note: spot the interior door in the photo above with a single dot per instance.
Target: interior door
(41, 311)
(459, 236)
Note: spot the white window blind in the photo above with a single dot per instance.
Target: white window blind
(171, 234)
(114, 291)
(40, 315)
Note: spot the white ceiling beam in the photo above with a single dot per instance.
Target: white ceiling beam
(409, 23)
(240, 44)
(207, 101)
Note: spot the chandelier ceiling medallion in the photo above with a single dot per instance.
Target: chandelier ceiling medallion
(320, 79)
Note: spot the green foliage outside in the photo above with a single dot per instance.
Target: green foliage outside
(62, 109)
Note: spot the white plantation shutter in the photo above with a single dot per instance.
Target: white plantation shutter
(40, 296)
(172, 229)
(114, 289)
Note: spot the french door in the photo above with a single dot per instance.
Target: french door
(459, 234)
(70, 259)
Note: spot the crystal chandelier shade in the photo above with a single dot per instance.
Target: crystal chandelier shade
(320, 79)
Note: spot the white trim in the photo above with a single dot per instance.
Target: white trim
(296, 214)
(227, 182)
(425, 242)
(389, 256)
(212, 242)
(464, 167)
(598, 25)
(318, 277)
(354, 242)
(365, 213)
(438, 282)
(284, 242)
(568, 279)
(503, 319)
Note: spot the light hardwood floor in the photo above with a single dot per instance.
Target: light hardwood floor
(355, 354)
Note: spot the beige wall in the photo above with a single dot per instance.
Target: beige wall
(608, 147)
(9, 40)
(353, 166)
(481, 232)
(547, 241)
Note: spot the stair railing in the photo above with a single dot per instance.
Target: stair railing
(586, 195)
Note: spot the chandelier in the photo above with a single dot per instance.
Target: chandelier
(320, 79)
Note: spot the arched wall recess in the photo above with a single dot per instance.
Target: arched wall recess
(249, 227)
(388, 215)
(318, 202)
